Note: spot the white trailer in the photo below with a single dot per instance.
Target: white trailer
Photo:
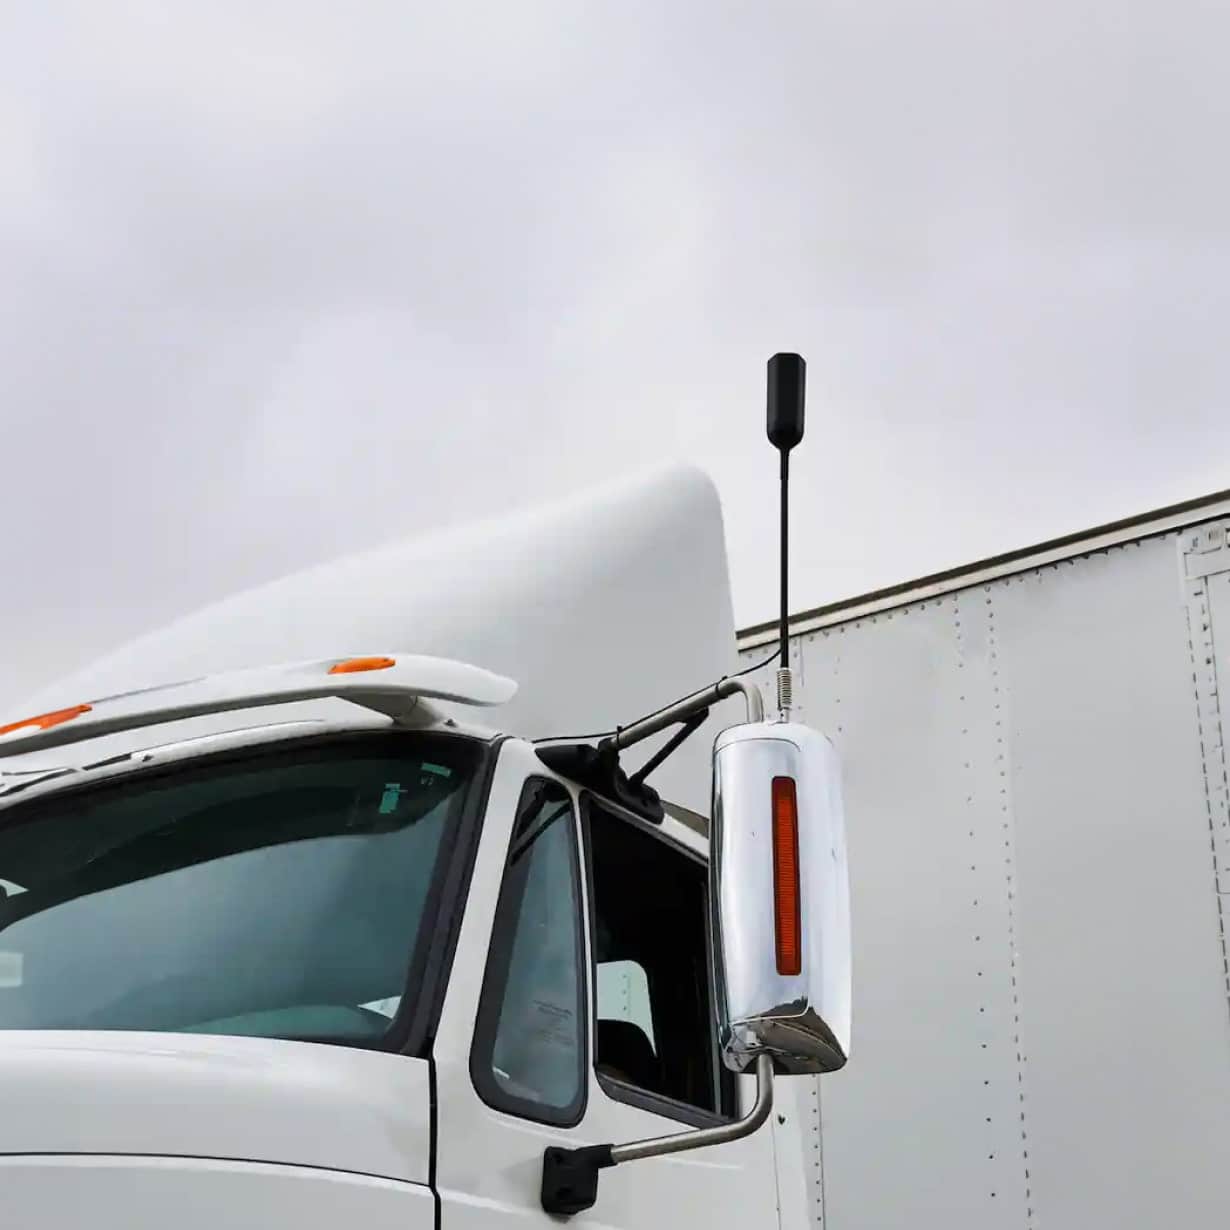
(1040, 872)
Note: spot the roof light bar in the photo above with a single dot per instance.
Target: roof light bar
(392, 686)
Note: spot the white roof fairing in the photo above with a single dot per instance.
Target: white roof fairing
(601, 608)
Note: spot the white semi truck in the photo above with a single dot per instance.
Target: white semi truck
(343, 954)
(426, 924)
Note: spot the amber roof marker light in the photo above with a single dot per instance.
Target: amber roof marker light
(45, 721)
(355, 666)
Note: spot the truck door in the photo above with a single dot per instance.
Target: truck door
(579, 1012)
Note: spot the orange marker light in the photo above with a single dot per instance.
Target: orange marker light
(352, 666)
(45, 721)
(787, 906)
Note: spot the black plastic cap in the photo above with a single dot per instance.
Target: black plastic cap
(570, 1178)
(787, 390)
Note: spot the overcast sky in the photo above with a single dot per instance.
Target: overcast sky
(285, 279)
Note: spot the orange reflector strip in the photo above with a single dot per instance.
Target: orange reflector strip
(352, 666)
(787, 907)
(45, 721)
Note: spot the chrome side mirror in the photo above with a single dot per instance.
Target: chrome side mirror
(779, 895)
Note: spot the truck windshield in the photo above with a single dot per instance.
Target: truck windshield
(284, 894)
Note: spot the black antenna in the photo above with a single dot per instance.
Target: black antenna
(787, 391)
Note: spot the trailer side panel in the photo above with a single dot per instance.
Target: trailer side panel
(1042, 1028)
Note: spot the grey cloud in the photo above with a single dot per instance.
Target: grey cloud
(288, 282)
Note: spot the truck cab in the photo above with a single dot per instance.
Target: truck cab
(370, 968)
(311, 944)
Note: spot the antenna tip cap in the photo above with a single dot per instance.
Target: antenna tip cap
(787, 393)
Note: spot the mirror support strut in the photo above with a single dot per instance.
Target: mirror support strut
(703, 1137)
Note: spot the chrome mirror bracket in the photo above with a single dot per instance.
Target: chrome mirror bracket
(570, 1176)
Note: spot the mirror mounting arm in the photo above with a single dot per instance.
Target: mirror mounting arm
(570, 1176)
(705, 1137)
(683, 709)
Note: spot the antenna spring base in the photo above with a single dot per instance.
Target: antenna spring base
(785, 693)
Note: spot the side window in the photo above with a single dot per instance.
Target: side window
(655, 1032)
(529, 1040)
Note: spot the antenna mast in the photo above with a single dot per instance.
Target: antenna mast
(786, 395)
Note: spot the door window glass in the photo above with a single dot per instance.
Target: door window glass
(654, 1017)
(529, 1054)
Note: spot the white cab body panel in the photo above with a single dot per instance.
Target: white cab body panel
(247, 1099)
(154, 1193)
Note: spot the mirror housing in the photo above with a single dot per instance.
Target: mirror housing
(780, 900)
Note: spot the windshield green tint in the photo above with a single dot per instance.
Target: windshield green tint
(282, 895)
